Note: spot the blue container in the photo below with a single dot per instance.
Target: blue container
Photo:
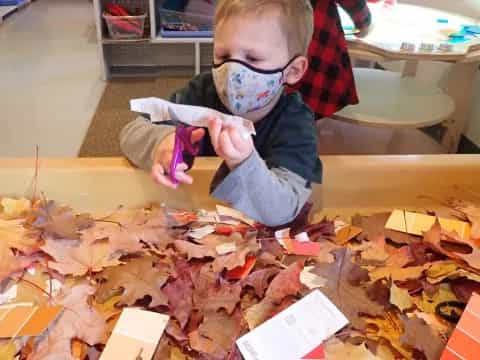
(175, 24)
(10, 2)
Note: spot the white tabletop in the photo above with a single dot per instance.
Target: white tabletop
(414, 24)
(387, 99)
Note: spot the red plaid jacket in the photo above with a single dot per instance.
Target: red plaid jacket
(328, 85)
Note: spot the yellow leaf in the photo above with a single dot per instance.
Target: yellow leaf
(449, 269)
(389, 328)
(400, 297)
(108, 308)
(15, 208)
(337, 350)
(8, 351)
(395, 273)
(176, 354)
(29, 287)
(16, 236)
(429, 303)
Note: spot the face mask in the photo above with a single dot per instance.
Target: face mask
(243, 88)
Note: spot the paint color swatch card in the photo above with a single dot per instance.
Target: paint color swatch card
(26, 319)
(294, 332)
(417, 224)
(464, 344)
(136, 335)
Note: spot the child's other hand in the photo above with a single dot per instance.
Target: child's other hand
(229, 143)
(365, 31)
(163, 158)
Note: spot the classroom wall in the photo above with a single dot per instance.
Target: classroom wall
(430, 71)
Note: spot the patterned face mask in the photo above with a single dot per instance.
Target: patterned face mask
(243, 88)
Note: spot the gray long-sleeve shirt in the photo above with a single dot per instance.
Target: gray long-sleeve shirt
(273, 184)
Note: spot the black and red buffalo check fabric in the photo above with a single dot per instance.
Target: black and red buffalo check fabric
(328, 85)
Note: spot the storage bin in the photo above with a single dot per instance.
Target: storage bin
(125, 27)
(174, 24)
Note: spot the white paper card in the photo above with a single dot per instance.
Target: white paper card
(162, 110)
(281, 235)
(302, 237)
(226, 211)
(294, 332)
(201, 232)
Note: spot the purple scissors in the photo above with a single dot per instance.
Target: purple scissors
(184, 150)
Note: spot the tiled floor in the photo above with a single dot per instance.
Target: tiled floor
(50, 80)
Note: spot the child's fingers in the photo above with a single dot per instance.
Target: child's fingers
(241, 144)
(181, 175)
(197, 135)
(226, 146)
(161, 178)
(214, 128)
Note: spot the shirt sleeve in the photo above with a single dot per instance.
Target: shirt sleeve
(271, 196)
(358, 11)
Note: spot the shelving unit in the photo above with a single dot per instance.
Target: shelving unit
(152, 54)
(6, 11)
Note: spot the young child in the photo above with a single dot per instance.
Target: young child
(259, 47)
(328, 85)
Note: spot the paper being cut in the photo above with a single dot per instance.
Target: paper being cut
(197, 116)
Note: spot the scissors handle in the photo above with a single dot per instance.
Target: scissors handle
(183, 147)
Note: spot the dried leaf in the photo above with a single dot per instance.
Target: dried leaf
(8, 351)
(448, 269)
(9, 263)
(420, 336)
(344, 290)
(180, 299)
(137, 278)
(260, 279)
(212, 293)
(221, 328)
(286, 283)
(395, 273)
(119, 238)
(472, 213)
(464, 288)
(400, 298)
(14, 208)
(206, 346)
(337, 350)
(18, 237)
(78, 321)
(259, 313)
(60, 221)
(428, 303)
(375, 249)
(194, 251)
(237, 258)
(79, 259)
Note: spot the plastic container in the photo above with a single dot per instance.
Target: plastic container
(175, 24)
(125, 27)
(10, 2)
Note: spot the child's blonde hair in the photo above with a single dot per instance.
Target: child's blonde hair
(296, 21)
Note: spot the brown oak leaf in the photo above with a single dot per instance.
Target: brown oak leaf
(138, 278)
(221, 328)
(212, 293)
(344, 290)
(286, 283)
(194, 251)
(464, 288)
(260, 279)
(180, 299)
(420, 336)
(78, 259)
(471, 212)
(78, 321)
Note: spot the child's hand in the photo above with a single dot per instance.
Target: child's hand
(163, 158)
(367, 30)
(228, 143)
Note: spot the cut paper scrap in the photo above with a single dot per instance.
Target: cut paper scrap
(302, 248)
(200, 233)
(310, 279)
(235, 214)
(464, 344)
(417, 224)
(241, 272)
(136, 335)
(226, 248)
(316, 354)
(26, 319)
(163, 110)
(294, 332)
(346, 233)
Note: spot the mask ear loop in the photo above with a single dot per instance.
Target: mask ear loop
(285, 68)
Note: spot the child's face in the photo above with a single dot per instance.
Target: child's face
(257, 40)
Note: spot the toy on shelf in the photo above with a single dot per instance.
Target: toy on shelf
(122, 24)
